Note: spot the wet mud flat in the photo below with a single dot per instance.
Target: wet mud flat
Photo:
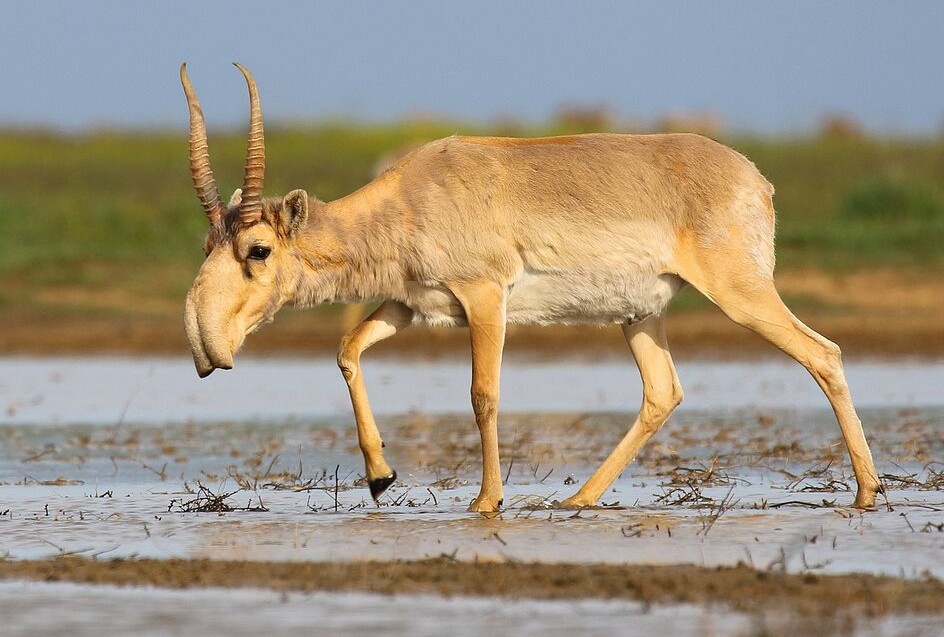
(38, 608)
(739, 515)
(752, 601)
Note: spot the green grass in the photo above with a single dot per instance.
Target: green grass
(855, 203)
(115, 209)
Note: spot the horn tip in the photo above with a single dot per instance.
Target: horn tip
(243, 70)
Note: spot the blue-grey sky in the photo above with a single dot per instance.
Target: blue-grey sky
(763, 66)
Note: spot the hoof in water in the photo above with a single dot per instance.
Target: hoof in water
(573, 504)
(475, 507)
(379, 485)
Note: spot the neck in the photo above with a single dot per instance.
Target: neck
(353, 247)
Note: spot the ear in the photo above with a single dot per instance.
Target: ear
(236, 199)
(294, 213)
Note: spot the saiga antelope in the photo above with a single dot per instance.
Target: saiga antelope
(486, 231)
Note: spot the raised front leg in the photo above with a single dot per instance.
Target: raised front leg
(484, 305)
(384, 322)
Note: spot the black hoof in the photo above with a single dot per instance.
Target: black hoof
(379, 485)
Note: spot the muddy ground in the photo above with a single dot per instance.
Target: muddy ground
(740, 587)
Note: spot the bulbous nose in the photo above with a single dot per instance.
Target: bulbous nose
(205, 333)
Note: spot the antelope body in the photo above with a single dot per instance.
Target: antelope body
(484, 231)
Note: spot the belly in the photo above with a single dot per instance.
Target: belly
(570, 298)
(558, 298)
(433, 305)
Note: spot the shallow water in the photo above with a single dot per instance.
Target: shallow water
(107, 457)
(118, 485)
(106, 391)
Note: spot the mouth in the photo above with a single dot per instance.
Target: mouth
(205, 369)
(207, 359)
(206, 364)
(211, 351)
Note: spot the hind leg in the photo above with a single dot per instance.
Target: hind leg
(661, 394)
(757, 306)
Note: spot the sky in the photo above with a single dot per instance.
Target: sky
(763, 66)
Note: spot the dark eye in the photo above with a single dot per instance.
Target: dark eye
(259, 253)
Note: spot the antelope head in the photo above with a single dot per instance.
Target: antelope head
(251, 261)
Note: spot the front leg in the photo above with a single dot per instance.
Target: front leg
(384, 322)
(484, 305)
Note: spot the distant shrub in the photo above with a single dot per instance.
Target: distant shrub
(892, 200)
(584, 119)
(840, 127)
(704, 123)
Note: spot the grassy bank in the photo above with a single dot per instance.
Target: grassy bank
(105, 224)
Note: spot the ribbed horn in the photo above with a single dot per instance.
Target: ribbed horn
(250, 210)
(200, 171)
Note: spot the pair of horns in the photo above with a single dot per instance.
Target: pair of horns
(250, 207)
